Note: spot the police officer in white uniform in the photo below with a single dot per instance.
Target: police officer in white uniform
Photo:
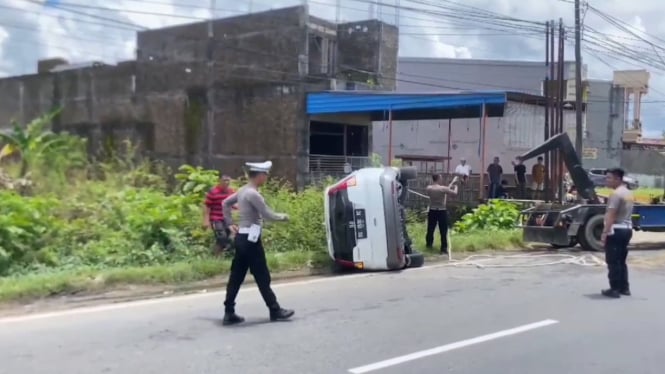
(249, 253)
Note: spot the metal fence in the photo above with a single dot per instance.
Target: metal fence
(334, 165)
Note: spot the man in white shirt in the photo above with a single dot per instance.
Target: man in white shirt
(463, 169)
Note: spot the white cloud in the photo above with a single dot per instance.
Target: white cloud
(29, 31)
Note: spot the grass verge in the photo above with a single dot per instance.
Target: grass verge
(92, 280)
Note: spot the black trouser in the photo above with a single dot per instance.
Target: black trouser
(521, 190)
(494, 190)
(616, 252)
(434, 218)
(222, 233)
(249, 256)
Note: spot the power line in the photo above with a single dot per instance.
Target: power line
(73, 37)
(74, 11)
(474, 18)
(43, 14)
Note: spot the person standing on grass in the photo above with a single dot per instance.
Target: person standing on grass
(437, 214)
(463, 170)
(494, 171)
(520, 177)
(213, 213)
(249, 253)
(617, 232)
(538, 176)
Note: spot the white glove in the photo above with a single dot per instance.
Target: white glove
(283, 217)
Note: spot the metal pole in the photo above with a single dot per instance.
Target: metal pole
(450, 126)
(562, 57)
(338, 11)
(547, 92)
(548, 156)
(397, 7)
(548, 82)
(554, 128)
(578, 81)
(211, 75)
(483, 126)
(390, 137)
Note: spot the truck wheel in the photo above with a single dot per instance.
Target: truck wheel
(415, 260)
(589, 234)
(408, 173)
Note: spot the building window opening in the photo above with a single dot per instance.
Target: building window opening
(332, 146)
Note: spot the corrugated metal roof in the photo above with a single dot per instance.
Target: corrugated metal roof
(332, 102)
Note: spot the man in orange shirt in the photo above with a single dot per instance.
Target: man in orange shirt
(538, 176)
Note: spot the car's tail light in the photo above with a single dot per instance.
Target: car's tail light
(342, 186)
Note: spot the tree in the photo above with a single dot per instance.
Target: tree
(35, 143)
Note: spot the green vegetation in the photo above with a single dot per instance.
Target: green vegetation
(642, 195)
(86, 225)
(496, 215)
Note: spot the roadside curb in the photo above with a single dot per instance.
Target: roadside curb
(129, 293)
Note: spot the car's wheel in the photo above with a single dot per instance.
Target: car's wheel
(408, 173)
(415, 260)
(590, 232)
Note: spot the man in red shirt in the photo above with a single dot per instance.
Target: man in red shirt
(213, 216)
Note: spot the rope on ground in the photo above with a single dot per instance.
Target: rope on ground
(523, 261)
(526, 260)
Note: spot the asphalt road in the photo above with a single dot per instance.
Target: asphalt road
(455, 320)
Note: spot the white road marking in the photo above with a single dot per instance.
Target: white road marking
(450, 347)
(171, 299)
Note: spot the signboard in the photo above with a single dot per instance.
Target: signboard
(590, 153)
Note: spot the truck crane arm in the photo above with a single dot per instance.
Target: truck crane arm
(562, 143)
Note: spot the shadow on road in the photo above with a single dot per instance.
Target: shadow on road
(248, 323)
(597, 296)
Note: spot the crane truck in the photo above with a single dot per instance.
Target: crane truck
(566, 225)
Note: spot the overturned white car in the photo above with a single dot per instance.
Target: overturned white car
(366, 222)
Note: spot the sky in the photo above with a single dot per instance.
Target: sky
(618, 34)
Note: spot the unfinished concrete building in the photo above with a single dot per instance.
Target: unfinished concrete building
(221, 93)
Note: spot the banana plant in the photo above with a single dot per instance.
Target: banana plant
(32, 142)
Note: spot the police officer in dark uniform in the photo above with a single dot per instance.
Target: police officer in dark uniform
(249, 252)
(617, 232)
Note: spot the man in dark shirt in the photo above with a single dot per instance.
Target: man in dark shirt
(494, 171)
(213, 216)
(520, 177)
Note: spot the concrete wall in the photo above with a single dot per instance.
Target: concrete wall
(216, 102)
(604, 124)
(445, 74)
(270, 40)
(264, 123)
(24, 98)
(369, 49)
(520, 129)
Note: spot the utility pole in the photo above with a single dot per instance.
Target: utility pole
(211, 77)
(578, 81)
